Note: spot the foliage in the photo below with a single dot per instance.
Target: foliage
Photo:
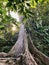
(6, 33)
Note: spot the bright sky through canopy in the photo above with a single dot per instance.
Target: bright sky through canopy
(14, 27)
(14, 15)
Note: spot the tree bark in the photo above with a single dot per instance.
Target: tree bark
(37, 53)
(29, 59)
(20, 49)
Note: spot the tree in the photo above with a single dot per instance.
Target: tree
(24, 50)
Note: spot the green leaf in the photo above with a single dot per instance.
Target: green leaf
(3, 0)
(1, 27)
(33, 3)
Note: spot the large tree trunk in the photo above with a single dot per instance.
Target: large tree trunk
(37, 53)
(20, 49)
(21, 52)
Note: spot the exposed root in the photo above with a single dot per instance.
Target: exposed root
(37, 53)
